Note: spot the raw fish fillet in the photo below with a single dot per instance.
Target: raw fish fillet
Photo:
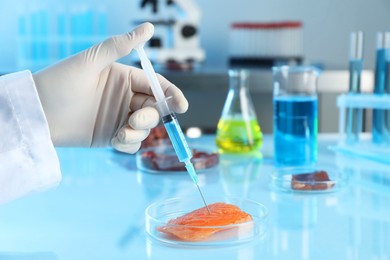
(222, 214)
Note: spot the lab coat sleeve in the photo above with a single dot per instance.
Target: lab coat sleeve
(28, 160)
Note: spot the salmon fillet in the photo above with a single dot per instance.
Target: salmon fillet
(222, 214)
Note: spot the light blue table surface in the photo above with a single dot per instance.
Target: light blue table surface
(97, 212)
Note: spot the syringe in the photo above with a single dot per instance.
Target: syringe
(169, 119)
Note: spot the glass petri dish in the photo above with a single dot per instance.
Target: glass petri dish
(163, 158)
(158, 214)
(308, 179)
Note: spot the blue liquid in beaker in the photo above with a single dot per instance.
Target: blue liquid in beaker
(295, 130)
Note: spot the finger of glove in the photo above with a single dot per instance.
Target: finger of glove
(140, 84)
(126, 148)
(144, 118)
(140, 100)
(179, 103)
(127, 135)
(119, 46)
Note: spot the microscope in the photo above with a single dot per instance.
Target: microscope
(177, 47)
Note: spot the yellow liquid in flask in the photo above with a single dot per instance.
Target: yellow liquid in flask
(238, 135)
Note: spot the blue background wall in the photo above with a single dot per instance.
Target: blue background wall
(326, 25)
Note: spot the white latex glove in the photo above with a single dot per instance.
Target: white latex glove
(90, 100)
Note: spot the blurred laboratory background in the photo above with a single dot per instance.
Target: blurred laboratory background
(213, 36)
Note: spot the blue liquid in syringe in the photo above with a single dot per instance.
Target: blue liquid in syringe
(296, 127)
(181, 148)
(177, 137)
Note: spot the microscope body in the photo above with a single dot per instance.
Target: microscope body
(177, 47)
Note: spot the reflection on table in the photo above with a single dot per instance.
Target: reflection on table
(98, 210)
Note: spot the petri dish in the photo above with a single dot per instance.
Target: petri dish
(158, 215)
(308, 179)
(163, 158)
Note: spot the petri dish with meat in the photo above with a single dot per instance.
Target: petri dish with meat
(158, 155)
(186, 221)
(308, 179)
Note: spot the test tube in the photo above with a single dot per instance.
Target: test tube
(380, 133)
(355, 115)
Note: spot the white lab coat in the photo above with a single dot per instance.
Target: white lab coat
(28, 160)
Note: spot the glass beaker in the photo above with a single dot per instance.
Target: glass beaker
(295, 115)
(238, 129)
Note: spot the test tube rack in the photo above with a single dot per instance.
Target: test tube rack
(363, 147)
(265, 44)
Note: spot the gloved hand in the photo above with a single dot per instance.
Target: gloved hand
(90, 100)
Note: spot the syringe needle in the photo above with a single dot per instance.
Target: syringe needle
(201, 194)
(191, 171)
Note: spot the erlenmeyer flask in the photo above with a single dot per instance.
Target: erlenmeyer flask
(238, 129)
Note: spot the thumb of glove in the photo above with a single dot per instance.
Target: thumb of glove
(119, 46)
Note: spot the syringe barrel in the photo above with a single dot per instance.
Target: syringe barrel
(177, 137)
(163, 107)
(153, 81)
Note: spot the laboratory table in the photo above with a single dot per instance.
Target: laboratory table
(97, 212)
